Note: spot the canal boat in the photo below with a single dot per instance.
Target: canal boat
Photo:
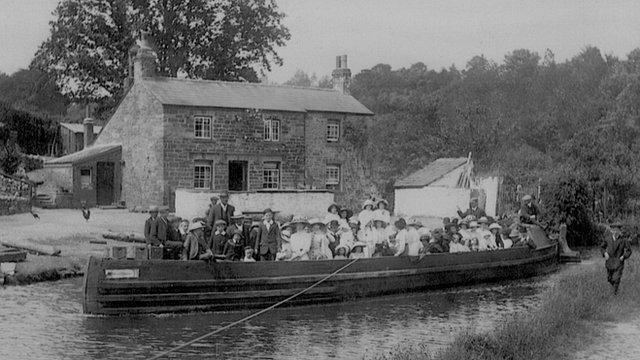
(115, 287)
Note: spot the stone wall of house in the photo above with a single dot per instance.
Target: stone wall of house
(237, 135)
(354, 185)
(137, 126)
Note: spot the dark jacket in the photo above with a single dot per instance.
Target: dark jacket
(216, 213)
(478, 213)
(161, 232)
(217, 242)
(148, 224)
(526, 212)
(233, 251)
(616, 248)
(268, 240)
(193, 247)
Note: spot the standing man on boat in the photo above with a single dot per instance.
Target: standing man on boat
(472, 210)
(150, 222)
(163, 235)
(268, 240)
(616, 250)
(221, 211)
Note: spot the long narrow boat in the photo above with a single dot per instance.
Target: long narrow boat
(156, 286)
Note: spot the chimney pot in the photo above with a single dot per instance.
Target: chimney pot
(341, 75)
(343, 62)
(88, 131)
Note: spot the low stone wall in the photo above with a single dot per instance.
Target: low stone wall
(10, 205)
(310, 203)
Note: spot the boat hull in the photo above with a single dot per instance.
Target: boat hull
(156, 286)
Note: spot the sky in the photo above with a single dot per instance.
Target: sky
(399, 33)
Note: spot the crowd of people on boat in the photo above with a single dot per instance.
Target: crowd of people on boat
(227, 234)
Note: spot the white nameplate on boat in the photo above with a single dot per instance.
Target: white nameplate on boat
(122, 273)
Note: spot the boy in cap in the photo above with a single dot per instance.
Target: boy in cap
(268, 240)
(233, 249)
(219, 237)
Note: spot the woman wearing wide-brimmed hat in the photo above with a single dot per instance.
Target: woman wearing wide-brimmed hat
(382, 211)
(319, 241)
(300, 241)
(366, 215)
(413, 237)
(285, 252)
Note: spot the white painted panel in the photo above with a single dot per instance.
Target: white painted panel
(430, 201)
(490, 185)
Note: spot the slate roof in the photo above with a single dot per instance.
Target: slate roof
(86, 154)
(237, 95)
(79, 128)
(430, 173)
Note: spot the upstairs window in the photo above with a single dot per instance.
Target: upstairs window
(333, 130)
(332, 177)
(271, 175)
(202, 127)
(272, 130)
(202, 176)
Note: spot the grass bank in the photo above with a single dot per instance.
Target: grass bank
(553, 329)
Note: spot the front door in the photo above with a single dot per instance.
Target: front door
(237, 175)
(105, 177)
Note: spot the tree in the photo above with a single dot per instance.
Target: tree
(300, 78)
(34, 91)
(88, 47)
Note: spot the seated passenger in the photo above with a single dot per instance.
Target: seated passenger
(475, 237)
(381, 212)
(495, 229)
(233, 249)
(248, 254)
(457, 245)
(332, 213)
(425, 236)
(342, 252)
(472, 244)
(345, 217)
(523, 240)
(285, 252)
(358, 251)
(319, 241)
(334, 234)
(195, 246)
(463, 229)
(399, 246)
(508, 241)
(485, 234)
(300, 241)
(377, 236)
(218, 237)
(413, 237)
(435, 243)
(366, 215)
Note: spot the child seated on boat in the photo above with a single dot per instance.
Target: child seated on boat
(218, 237)
(285, 252)
(400, 243)
(342, 252)
(457, 245)
(300, 241)
(319, 241)
(332, 213)
(495, 229)
(233, 247)
(248, 254)
(358, 251)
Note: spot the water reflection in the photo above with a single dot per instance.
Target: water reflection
(44, 321)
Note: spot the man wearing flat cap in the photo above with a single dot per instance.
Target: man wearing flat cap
(268, 239)
(529, 211)
(221, 211)
(616, 250)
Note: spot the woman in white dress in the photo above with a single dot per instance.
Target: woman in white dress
(366, 215)
(300, 241)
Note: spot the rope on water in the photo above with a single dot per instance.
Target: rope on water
(254, 314)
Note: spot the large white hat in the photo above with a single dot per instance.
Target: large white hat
(367, 202)
(195, 225)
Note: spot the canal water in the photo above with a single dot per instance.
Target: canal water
(44, 321)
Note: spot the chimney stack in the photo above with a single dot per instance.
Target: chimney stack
(88, 131)
(341, 75)
(144, 62)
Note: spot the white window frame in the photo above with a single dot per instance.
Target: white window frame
(332, 182)
(271, 130)
(333, 130)
(204, 132)
(200, 179)
(269, 173)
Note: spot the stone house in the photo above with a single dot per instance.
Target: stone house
(208, 136)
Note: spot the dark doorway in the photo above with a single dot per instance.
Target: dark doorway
(237, 175)
(104, 183)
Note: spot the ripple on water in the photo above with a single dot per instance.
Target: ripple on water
(44, 321)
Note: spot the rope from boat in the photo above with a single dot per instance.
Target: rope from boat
(254, 314)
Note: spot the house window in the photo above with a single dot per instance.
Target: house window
(85, 178)
(202, 176)
(332, 177)
(272, 130)
(271, 175)
(333, 130)
(202, 127)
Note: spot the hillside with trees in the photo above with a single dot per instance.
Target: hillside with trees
(573, 125)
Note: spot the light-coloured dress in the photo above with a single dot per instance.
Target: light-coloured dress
(300, 245)
(365, 218)
(320, 247)
(413, 242)
(383, 214)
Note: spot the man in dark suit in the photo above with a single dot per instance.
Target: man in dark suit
(163, 234)
(472, 210)
(150, 222)
(268, 240)
(221, 211)
(616, 250)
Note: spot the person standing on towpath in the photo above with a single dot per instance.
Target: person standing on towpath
(616, 250)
